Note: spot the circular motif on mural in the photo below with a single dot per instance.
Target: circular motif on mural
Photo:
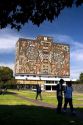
(58, 56)
(32, 53)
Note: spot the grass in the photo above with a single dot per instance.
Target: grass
(9, 99)
(14, 110)
(50, 97)
(32, 115)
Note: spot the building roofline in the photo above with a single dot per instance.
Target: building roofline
(55, 42)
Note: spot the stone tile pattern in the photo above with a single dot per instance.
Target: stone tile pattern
(42, 56)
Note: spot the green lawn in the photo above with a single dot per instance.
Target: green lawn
(14, 110)
(50, 97)
(9, 99)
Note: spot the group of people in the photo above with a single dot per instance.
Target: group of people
(67, 91)
(60, 91)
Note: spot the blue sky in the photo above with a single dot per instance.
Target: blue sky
(67, 28)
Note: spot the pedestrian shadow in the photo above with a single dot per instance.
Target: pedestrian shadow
(2, 92)
(34, 115)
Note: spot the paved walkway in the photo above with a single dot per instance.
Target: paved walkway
(37, 102)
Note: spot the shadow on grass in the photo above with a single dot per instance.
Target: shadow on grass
(34, 115)
(7, 93)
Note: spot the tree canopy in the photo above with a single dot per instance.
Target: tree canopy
(81, 77)
(18, 12)
(5, 73)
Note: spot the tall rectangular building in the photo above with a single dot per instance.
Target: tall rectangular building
(42, 57)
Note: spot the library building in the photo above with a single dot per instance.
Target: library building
(41, 61)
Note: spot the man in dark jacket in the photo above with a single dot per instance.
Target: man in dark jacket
(59, 92)
(38, 91)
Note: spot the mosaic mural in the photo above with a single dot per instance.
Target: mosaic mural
(42, 56)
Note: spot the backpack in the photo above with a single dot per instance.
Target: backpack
(39, 89)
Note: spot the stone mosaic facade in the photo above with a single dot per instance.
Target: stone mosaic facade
(42, 56)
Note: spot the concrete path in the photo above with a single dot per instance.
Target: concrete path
(37, 102)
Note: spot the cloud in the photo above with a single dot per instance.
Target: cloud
(8, 39)
(8, 42)
(68, 40)
(77, 55)
(75, 73)
(11, 65)
(62, 38)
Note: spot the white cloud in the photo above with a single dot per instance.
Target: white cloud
(8, 40)
(77, 44)
(75, 73)
(62, 38)
(77, 55)
(68, 40)
(10, 65)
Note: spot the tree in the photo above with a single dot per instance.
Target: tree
(81, 77)
(5, 74)
(18, 12)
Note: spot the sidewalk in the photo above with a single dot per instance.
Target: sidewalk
(37, 102)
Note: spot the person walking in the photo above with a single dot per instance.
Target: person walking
(59, 92)
(68, 97)
(38, 91)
